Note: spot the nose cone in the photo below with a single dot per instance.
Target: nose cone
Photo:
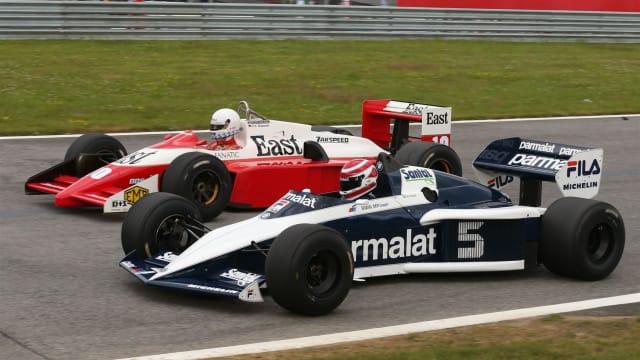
(89, 190)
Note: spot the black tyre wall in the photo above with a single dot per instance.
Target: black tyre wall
(581, 238)
(192, 172)
(287, 269)
(430, 155)
(109, 147)
(141, 223)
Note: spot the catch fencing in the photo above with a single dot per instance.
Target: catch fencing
(188, 21)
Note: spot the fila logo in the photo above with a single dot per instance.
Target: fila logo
(500, 181)
(580, 166)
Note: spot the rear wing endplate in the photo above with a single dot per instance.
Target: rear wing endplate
(378, 115)
(576, 170)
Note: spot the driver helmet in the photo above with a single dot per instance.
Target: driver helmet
(357, 178)
(224, 124)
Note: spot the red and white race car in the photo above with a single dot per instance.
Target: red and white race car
(271, 158)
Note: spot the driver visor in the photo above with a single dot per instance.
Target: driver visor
(351, 183)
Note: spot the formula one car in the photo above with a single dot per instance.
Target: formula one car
(266, 160)
(306, 248)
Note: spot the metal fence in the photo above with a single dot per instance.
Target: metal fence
(170, 20)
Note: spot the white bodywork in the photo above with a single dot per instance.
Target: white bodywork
(240, 235)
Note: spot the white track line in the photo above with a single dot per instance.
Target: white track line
(605, 117)
(369, 334)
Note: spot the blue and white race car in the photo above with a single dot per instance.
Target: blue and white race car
(307, 248)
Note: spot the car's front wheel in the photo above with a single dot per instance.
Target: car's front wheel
(160, 222)
(103, 148)
(309, 269)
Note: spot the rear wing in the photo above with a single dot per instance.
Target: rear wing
(378, 115)
(575, 169)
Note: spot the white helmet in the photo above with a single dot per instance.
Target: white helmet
(225, 123)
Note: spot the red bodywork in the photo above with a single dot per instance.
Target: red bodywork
(257, 182)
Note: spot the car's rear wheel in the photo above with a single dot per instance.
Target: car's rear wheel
(430, 155)
(309, 269)
(200, 178)
(160, 222)
(105, 148)
(581, 238)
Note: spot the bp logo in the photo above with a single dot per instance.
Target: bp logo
(134, 194)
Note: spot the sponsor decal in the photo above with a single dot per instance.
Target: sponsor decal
(305, 200)
(367, 207)
(276, 147)
(569, 151)
(399, 246)
(241, 278)
(497, 156)
(118, 204)
(414, 109)
(135, 193)
(580, 167)
(417, 174)
(251, 293)
(128, 264)
(100, 173)
(258, 123)
(536, 146)
(500, 181)
(332, 140)
(135, 157)
(277, 206)
(134, 181)
(211, 288)
(226, 155)
(436, 119)
(582, 185)
(167, 256)
(275, 163)
(537, 161)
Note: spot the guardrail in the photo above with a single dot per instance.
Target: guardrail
(170, 20)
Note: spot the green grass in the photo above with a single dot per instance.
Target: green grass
(554, 337)
(50, 87)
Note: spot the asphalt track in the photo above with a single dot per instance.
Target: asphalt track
(62, 295)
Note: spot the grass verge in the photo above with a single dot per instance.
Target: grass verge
(76, 86)
(550, 337)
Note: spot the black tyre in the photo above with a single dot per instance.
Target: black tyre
(200, 178)
(581, 238)
(430, 155)
(309, 269)
(108, 147)
(331, 129)
(159, 222)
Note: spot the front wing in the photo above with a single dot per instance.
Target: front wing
(228, 281)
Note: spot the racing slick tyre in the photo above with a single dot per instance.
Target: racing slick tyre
(107, 147)
(331, 129)
(200, 178)
(430, 155)
(309, 269)
(581, 238)
(160, 222)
